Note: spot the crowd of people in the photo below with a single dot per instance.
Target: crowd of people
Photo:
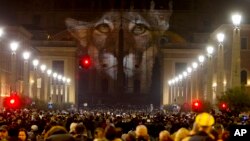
(103, 123)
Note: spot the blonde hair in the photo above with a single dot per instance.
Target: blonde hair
(181, 134)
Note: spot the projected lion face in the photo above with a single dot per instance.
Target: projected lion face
(128, 36)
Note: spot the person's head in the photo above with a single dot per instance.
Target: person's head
(99, 133)
(72, 128)
(181, 134)
(34, 128)
(54, 130)
(141, 133)
(218, 128)
(195, 129)
(22, 134)
(204, 121)
(80, 129)
(110, 132)
(165, 136)
(4, 132)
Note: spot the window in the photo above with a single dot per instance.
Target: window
(243, 77)
(243, 43)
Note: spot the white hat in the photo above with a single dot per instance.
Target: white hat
(72, 127)
(34, 127)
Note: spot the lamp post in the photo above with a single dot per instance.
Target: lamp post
(200, 89)
(60, 95)
(209, 88)
(42, 92)
(64, 89)
(176, 88)
(235, 66)
(185, 74)
(190, 93)
(26, 56)
(180, 95)
(54, 94)
(68, 83)
(220, 65)
(35, 63)
(195, 65)
(170, 83)
(48, 87)
(13, 46)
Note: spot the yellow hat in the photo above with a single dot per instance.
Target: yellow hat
(204, 119)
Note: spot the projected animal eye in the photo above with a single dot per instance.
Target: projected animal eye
(103, 28)
(139, 29)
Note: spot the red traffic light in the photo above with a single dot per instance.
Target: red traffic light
(223, 106)
(197, 105)
(85, 62)
(12, 102)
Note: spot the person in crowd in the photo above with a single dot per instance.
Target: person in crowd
(4, 135)
(58, 133)
(110, 133)
(72, 130)
(99, 133)
(23, 135)
(181, 134)
(33, 134)
(205, 122)
(81, 133)
(165, 136)
(141, 133)
(194, 130)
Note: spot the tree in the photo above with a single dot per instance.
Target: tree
(237, 99)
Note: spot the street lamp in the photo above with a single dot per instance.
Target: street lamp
(43, 95)
(185, 75)
(43, 68)
(170, 90)
(35, 63)
(55, 92)
(210, 50)
(190, 93)
(67, 89)
(13, 46)
(200, 86)
(26, 56)
(220, 64)
(195, 66)
(49, 71)
(201, 58)
(220, 37)
(236, 18)
(235, 67)
(49, 96)
(209, 88)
